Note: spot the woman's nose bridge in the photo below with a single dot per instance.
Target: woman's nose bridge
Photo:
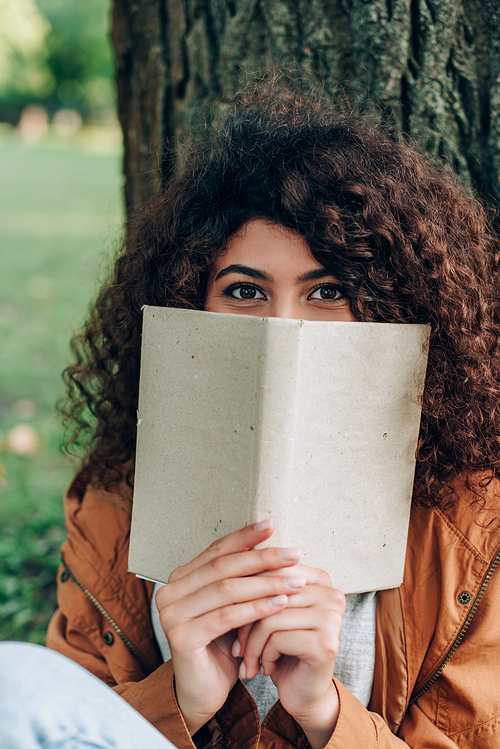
(286, 305)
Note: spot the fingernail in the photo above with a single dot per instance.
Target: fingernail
(278, 600)
(263, 525)
(243, 671)
(289, 555)
(236, 649)
(295, 582)
(261, 669)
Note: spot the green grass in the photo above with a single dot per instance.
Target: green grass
(60, 212)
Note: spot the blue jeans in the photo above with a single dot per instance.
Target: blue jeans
(48, 701)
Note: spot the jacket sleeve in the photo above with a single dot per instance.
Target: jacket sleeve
(235, 725)
(357, 728)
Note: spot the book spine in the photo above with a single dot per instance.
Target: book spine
(274, 456)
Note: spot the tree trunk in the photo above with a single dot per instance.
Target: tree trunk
(431, 67)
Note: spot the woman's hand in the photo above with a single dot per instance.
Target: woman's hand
(297, 647)
(208, 599)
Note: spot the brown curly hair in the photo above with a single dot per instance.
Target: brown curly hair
(402, 236)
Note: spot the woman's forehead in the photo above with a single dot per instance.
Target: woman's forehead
(262, 243)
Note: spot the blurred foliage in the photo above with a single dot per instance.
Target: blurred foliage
(56, 53)
(23, 52)
(60, 209)
(29, 557)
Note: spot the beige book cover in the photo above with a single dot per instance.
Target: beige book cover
(314, 424)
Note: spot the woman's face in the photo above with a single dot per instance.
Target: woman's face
(268, 271)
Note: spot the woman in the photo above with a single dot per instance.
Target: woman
(297, 212)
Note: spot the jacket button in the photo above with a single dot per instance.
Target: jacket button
(464, 598)
(64, 576)
(108, 638)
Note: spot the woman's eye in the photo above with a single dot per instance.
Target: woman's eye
(245, 292)
(327, 293)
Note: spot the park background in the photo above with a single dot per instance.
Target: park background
(60, 218)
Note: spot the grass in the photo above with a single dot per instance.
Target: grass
(60, 212)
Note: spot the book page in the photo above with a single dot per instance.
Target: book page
(355, 437)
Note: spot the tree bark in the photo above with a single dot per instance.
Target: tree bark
(430, 67)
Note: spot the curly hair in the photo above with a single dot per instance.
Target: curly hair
(402, 236)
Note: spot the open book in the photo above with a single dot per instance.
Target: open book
(312, 423)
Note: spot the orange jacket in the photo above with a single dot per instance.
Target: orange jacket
(449, 603)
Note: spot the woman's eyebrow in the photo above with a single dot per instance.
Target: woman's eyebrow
(252, 272)
(313, 275)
